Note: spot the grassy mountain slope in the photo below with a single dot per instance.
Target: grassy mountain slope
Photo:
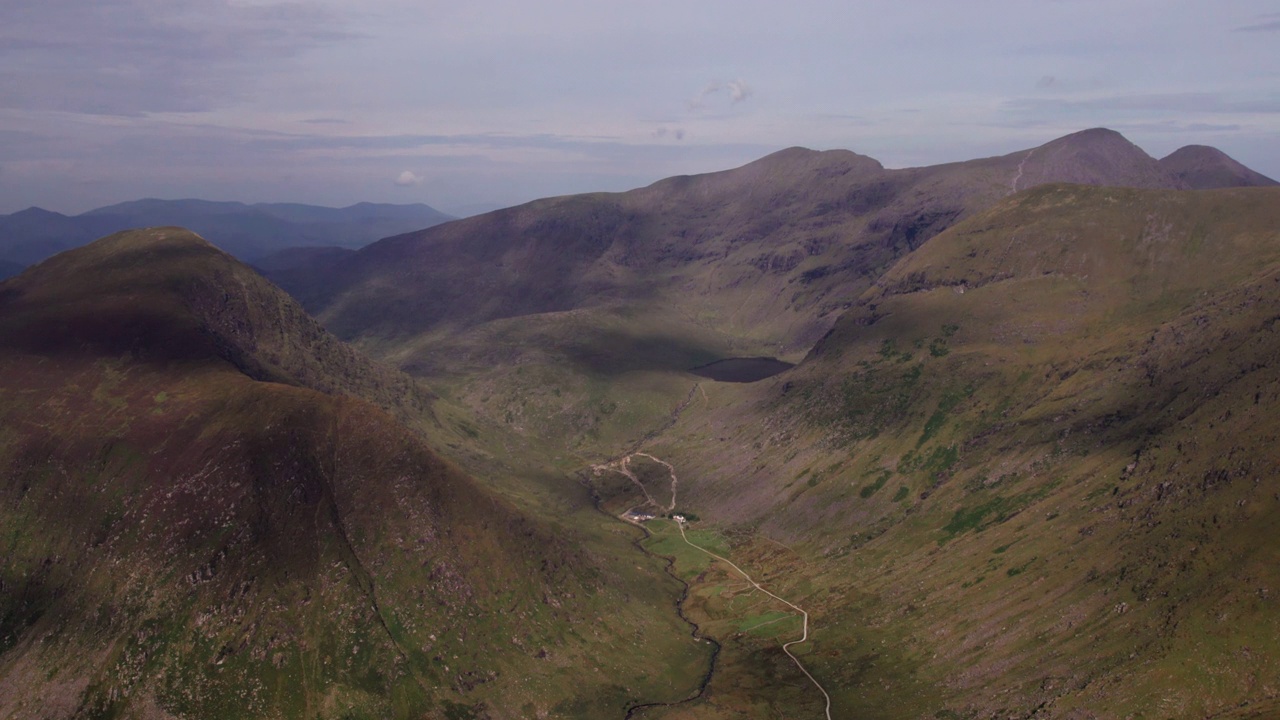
(1031, 473)
(205, 513)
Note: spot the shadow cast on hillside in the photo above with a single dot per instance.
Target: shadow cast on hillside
(612, 352)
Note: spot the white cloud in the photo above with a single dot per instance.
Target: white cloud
(408, 179)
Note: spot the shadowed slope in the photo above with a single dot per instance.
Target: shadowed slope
(162, 295)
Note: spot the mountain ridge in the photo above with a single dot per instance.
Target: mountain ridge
(822, 178)
(755, 261)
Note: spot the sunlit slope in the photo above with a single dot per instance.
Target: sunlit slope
(1033, 468)
(203, 516)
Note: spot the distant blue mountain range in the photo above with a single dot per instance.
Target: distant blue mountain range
(250, 232)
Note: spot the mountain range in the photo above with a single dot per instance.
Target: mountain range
(249, 232)
(756, 261)
(1004, 449)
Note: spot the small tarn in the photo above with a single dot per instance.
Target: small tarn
(742, 370)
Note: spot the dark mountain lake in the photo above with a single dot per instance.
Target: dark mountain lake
(742, 370)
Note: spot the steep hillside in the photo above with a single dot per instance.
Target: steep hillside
(204, 513)
(169, 294)
(1029, 474)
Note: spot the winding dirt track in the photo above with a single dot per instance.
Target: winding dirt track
(786, 647)
(623, 467)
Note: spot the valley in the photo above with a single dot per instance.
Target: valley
(806, 438)
(804, 628)
(640, 515)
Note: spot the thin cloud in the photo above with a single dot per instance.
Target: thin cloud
(1176, 127)
(1263, 23)
(132, 57)
(382, 143)
(736, 90)
(1191, 102)
(698, 101)
(1272, 26)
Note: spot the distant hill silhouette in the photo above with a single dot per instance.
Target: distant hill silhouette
(9, 269)
(249, 232)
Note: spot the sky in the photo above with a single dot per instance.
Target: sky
(468, 106)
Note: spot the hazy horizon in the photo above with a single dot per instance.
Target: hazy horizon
(493, 104)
